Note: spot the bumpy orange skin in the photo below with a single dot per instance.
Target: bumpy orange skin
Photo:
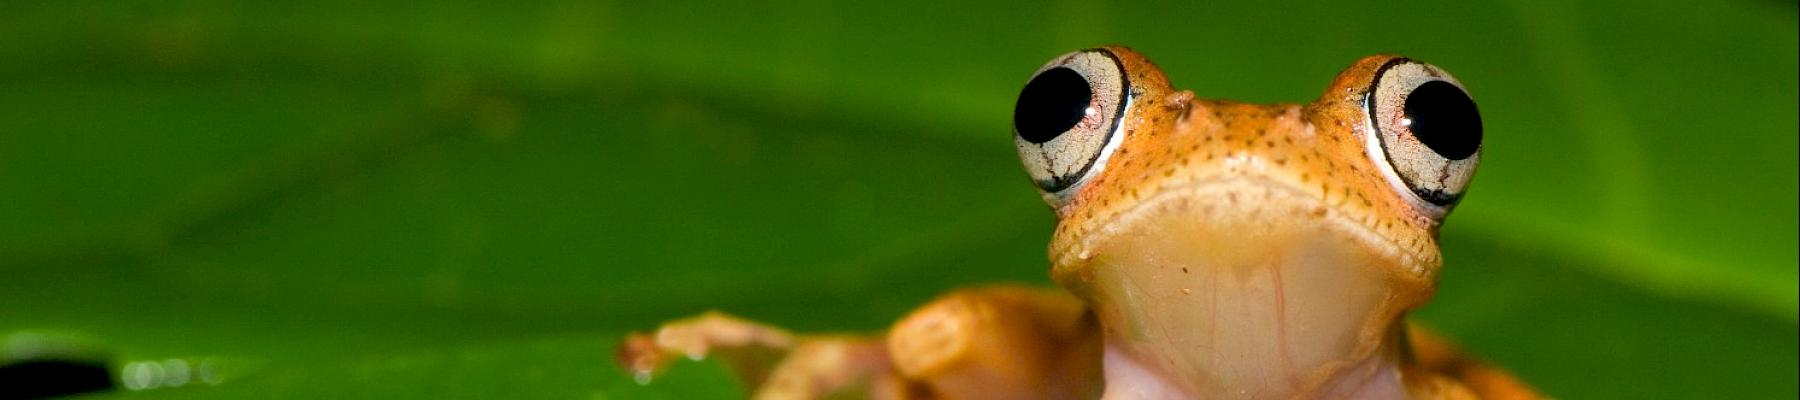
(1316, 154)
(1308, 172)
(1173, 139)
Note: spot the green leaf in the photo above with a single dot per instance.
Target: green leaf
(450, 200)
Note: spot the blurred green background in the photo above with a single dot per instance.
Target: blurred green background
(224, 199)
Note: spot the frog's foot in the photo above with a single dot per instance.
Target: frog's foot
(749, 347)
(998, 343)
(775, 364)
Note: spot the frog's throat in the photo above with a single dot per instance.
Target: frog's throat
(1241, 285)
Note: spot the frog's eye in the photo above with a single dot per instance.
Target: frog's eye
(1427, 130)
(1067, 119)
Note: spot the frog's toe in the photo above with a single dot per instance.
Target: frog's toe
(639, 356)
(933, 337)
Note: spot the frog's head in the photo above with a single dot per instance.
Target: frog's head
(1259, 236)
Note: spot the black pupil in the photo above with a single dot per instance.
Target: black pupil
(1052, 103)
(1444, 118)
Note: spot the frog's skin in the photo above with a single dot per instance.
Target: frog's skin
(1214, 249)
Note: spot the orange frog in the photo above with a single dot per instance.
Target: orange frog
(1210, 250)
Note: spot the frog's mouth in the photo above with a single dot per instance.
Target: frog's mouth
(1243, 283)
(1251, 204)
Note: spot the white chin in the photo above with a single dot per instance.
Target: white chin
(1254, 295)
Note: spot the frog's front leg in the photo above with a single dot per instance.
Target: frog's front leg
(1440, 370)
(775, 363)
(1002, 342)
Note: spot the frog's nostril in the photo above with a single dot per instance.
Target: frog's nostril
(1053, 102)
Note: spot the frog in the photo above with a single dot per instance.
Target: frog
(1205, 249)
